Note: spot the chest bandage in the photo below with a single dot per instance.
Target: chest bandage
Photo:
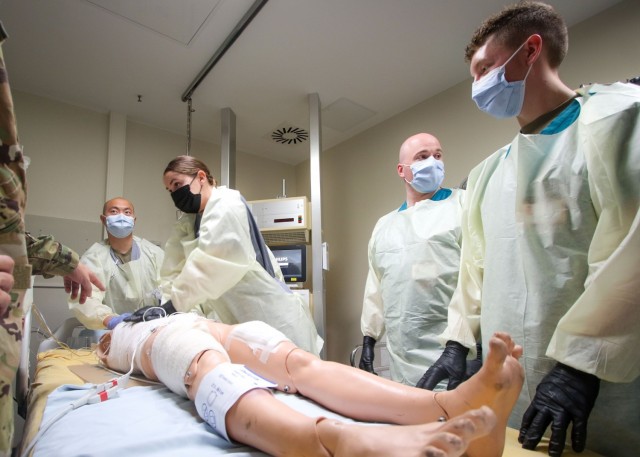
(260, 337)
(181, 339)
(221, 388)
(127, 339)
(177, 344)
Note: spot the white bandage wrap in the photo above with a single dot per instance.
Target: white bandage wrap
(127, 339)
(260, 337)
(174, 348)
(221, 388)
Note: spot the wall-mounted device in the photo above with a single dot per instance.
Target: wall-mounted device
(293, 262)
(283, 220)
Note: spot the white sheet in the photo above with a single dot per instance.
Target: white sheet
(142, 421)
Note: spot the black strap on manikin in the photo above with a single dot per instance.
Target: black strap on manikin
(196, 224)
(259, 246)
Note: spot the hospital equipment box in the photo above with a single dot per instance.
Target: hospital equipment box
(283, 220)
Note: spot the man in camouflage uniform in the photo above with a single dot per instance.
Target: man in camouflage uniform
(41, 256)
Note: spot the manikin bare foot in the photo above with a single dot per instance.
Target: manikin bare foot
(497, 385)
(450, 439)
(477, 413)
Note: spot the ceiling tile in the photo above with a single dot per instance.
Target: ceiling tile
(179, 20)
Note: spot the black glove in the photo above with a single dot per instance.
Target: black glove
(473, 366)
(367, 356)
(452, 364)
(564, 395)
(148, 313)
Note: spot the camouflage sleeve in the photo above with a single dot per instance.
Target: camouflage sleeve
(50, 258)
(8, 127)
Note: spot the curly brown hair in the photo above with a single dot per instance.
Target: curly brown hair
(515, 23)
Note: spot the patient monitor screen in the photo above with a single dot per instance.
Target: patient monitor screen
(293, 262)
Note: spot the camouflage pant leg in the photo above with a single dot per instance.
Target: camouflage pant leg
(12, 230)
(13, 198)
(10, 346)
(13, 244)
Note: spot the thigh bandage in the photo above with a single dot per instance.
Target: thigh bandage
(221, 388)
(260, 337)
(174, 348)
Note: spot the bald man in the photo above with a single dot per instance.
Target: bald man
(127, 265)
(414, 257)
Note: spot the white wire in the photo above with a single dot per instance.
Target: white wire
(153, 307)
(120, 383)
(135, 378)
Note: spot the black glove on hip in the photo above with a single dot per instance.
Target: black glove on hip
(367, 356)
(564, 395)
(148, 313)
(452, 364)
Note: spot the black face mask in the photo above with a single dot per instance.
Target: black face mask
(185, 200)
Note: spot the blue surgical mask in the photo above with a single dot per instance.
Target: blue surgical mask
(120, 225)
(495, 95)
(428, 174)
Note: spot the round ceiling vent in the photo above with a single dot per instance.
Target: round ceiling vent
(289, 135)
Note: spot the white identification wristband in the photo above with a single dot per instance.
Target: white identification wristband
(220, 390)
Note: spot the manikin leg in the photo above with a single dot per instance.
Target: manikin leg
(350, 392)
(258, 419)
(363, 396)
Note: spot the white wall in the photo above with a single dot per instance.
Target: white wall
(67, 146)
(149, 150)
(67, 179)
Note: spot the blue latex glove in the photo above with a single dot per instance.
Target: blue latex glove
(115, 320)
(564, 395)
(451, 365)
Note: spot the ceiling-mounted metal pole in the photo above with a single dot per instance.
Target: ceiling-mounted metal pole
(228, 148)
(224, 47)
(189, 111)
(315, 148)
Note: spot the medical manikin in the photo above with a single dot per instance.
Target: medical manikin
(229, 371)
